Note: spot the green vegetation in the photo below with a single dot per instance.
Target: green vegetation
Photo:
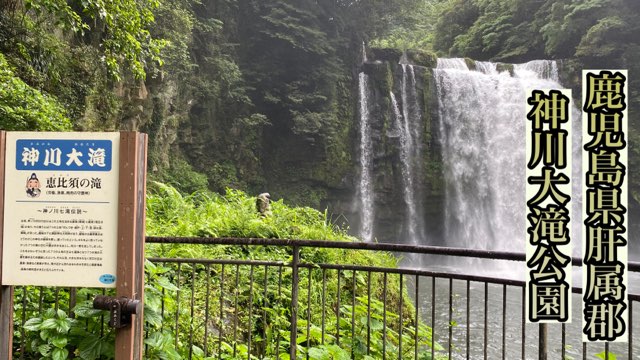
(25, 108)
(594, 34)
(170, 289)
(233, 215)
(261, 95)
(253, 95)
(119, 28)
(413, 27)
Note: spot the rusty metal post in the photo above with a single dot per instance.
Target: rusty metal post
(542, 345)
(131, 228)
(6, 292)
(294, 302)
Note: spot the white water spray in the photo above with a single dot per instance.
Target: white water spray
(365, 188)
(410, 123)
(482, 131)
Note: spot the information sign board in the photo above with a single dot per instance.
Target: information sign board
(61, 209)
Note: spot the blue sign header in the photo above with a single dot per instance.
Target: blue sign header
(64, 155)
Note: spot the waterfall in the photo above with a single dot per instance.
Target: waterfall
(410, 122)
(546, 69)
(364, 52)
(365, 188)
(405, 129)
(397, 116)
(482, 133)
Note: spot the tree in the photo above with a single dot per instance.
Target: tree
(25, 108)
(120, 28)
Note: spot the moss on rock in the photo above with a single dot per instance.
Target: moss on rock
(386, 54)
(501, 67)
(471, 64)
(422, 58)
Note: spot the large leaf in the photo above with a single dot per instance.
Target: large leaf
(166, 284)
(33, 324)
(85, 310)
(44, 349)
(197, 352)
(91, 347)
(152, 317)
(59, 341)
(319, 354)
(63, 325)
(60, 354)
(48, 324)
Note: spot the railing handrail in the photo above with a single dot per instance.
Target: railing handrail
(403, 248)
(403, 271)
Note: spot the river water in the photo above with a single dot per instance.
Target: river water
(512, 327)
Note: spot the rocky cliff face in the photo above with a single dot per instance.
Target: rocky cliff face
(293, 137)
(401, 106)
(312, 164)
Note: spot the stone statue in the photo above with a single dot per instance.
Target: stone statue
(263, 205)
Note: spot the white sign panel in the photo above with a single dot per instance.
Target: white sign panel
(61, 209)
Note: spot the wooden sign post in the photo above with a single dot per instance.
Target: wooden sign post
(131, 232)
(6, 295)
(77, 218)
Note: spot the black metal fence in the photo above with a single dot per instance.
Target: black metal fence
(296, 308)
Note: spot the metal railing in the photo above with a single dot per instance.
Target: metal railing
(296, 308)
(456, 332)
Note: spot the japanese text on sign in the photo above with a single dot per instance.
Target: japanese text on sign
(548, 194)
(63, 192)
(604, 205)
(67, 155)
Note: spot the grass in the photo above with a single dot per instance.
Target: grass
(204, 214)
(184, 301)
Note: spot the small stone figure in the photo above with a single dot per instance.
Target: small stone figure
(263, 204)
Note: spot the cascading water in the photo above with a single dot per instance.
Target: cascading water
(482, 132)
(365, 188)
(409, 126)
(407, 122)
(482, 119)
(397, 116)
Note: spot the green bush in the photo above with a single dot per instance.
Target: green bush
(205, 214)
(249, 301)
(25, 108)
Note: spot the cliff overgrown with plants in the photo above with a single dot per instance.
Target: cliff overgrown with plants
(249, 94)
(262, 95)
